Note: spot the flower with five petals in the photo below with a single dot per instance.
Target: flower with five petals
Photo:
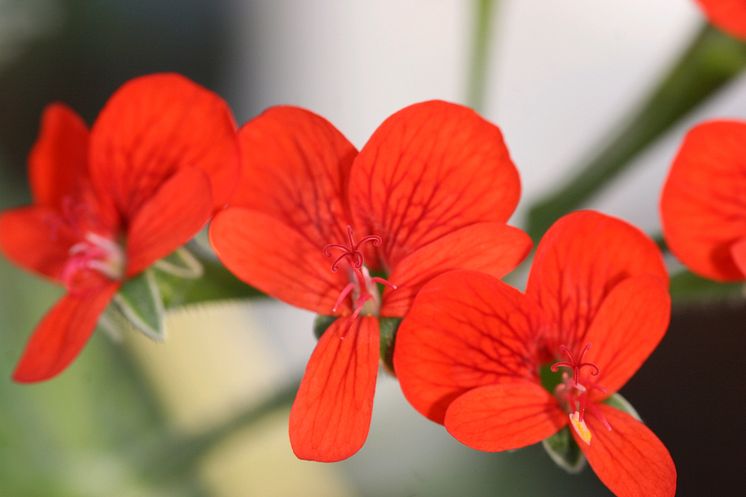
(355, 235)
(503, 370)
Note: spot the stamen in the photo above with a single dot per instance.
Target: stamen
(575, 394)
(96, 253)
(385, 282)
(360, 303)
(578, 424)
(343, 295)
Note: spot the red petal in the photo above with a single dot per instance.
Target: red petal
(702, 206)
(579, 261)
(504, 417)
(295, 167)
(465, 330)
(428, 170)
(277, 259)
(169, 219)
(331, 414)
(58, 164)
(629, 459)
(155, 125)
(61, 335)
(738, 251)
(36, 239)
(491, 248)
(728, 15)
(628, 327)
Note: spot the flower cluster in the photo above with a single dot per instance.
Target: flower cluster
(410, 230)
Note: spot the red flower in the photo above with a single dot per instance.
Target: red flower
(320, 226)
(107, 204)
(702, 206)
(728, 15)
(472, 352)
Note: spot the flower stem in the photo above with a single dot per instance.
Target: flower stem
(482, 30)
(711, 60)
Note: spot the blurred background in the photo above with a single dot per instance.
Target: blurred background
(205, 413)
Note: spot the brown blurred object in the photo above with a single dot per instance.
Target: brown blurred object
(692, 394)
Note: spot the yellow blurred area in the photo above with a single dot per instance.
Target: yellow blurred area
(214, 362)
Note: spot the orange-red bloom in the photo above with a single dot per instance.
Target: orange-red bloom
(472, 351)
(728, 15)
(703, 206)
(107, 204)
(325, 228)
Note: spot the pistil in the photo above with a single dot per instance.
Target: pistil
(362, 286)
(575, 394)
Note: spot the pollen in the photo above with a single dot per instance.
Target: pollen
(578, 424)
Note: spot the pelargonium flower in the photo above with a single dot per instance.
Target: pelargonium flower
(503, 370)
(160, 158)
(325, 228)
(728, 15)
(702, 205)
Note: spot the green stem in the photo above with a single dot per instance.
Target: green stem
(483, 16)
(710, 61)
(688, 288)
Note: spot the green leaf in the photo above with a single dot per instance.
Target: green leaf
(564, 451)
(712, 60)
(388, 327)
(619, 402)
(181, 264)
(139, 301)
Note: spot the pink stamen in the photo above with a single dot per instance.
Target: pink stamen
(343, 295)
(96, 253)
(385, 282)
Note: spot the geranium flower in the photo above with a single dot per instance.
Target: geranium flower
(107, 204)
(728, 15)
(325, 228)
(503, 370)
(702, 206)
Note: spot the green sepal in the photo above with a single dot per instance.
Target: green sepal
(321, 323)
(388, 329)
(216, 284)
(139, 302)
(564, 451)
(181, 264)
(619, 402)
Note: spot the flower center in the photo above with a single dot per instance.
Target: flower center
(94, 253)
(574, 393)
(362, 287)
